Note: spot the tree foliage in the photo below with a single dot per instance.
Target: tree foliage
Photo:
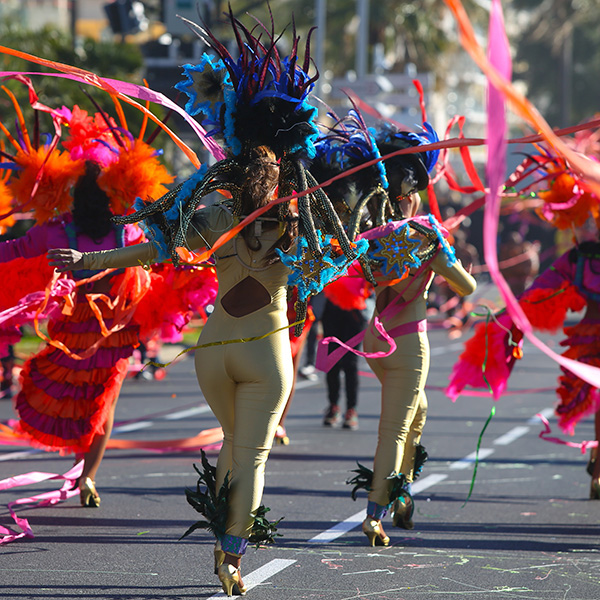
(119, 61)
(544, 44)
(407, 31)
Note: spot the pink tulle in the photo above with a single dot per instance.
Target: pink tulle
(175, 294)
(487, 356)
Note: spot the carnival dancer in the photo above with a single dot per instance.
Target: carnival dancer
(258, 106)
(401, 308)
(69, 390)
(67, 401)
(571, 283)
(405, 252)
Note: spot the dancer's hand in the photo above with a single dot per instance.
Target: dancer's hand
(65, 259)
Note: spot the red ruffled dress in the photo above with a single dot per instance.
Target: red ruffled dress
(68, 388)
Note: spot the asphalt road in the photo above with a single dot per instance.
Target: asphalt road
(527, 532)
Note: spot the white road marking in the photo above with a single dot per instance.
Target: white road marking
(339, 529)
(126, 428)
(17, 455)
(304, 383)
(510, 436)
(547, 413)
(355, 520)
(427, 482)
(467, 461)
(132, 427)
(444, 349)
(190, 412)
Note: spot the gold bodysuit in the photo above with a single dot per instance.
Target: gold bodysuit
(403, 373)
(246, 384)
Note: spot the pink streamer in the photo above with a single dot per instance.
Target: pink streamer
(26, 309)
(499, 57)
(44, 499)
(544, 435)
(478, 394)
(141, 93)
(325, 361)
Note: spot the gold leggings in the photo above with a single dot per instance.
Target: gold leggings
(403, 407)
(246, 385)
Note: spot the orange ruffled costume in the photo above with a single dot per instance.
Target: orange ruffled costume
(68, 388)
(65, 401)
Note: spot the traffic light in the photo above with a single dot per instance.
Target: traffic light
(126, 16)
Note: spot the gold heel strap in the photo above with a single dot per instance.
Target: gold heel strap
(373, 530)
(88, 494)
(230, 579)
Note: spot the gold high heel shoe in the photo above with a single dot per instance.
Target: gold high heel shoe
(281, 436)
(402, 513)
(219, 556)
(374, 531)
(231, 580)
(595, 489)
(88, 495)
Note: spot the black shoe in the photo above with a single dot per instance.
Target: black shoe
(592, 462)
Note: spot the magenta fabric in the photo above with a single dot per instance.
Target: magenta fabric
(68, 490)
(499, 56)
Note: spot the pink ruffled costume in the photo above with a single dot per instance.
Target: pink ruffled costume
(64, 402)
(572, 282)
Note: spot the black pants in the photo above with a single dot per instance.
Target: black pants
(349, 365)
(344, 325)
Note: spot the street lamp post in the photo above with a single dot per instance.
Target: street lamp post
(362, 38)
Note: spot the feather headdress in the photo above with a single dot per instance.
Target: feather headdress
(407, 173)
(39, 175)
(258, 99)
(130, 166)
(567, 203)
(347, 144)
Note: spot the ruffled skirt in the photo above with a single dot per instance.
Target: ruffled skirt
(577, 397)
(64, 402)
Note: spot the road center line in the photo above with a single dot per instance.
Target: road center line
(511, 436)
(339, 529)
(20, 454)
(535, 420)
(262, 574)
(190, 412)
(132, 427)
(427, 482)
(467, 461)
(354, 521)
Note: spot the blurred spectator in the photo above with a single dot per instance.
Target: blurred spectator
(519, 261)
(307, 370)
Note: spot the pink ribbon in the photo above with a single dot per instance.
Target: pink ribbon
(325, 361)
(141, 93)
(544, 435)
(26, 309)
(486, 394)
(497, 67)
(44, 499)
(499, 57)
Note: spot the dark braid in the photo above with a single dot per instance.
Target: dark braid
(91, 205)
